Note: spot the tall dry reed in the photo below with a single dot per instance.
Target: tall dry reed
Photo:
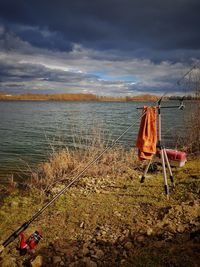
(190, 141)
(64, 164)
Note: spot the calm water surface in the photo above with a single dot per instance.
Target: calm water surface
(29, 130)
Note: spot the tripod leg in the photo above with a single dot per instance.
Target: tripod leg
(145, 172)
(164, 173)
(169, 168)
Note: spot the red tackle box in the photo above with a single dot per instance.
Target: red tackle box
(176, 158)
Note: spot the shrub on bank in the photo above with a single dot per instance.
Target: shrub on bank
(65, 164)
(190, 141)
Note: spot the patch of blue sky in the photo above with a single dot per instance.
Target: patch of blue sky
(106, 77)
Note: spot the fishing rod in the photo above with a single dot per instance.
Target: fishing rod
(26, 224)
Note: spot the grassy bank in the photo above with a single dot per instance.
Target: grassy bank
(108, 218)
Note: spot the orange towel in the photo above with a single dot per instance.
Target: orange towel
(147, 135)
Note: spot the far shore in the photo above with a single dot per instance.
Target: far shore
(87, 97)
(76, 97)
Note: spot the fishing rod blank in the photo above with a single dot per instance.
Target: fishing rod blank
(25, 225)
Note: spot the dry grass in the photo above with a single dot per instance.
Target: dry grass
(63, 165)
(191, 139)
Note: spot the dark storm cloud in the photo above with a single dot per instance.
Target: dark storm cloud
(16, 72)
(27, 77)
(43, 39)
(93, 46)
(29, 72)
(135, 26)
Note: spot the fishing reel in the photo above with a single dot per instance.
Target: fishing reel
(28, 246)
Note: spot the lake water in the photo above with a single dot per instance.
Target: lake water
(29, 130)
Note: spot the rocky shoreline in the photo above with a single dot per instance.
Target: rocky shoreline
(105, 247)
(115, 221)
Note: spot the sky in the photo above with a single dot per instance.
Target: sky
(103, 47)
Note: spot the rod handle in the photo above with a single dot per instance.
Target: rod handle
(14, 235)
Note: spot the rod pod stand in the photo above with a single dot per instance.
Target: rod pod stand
(162, 150)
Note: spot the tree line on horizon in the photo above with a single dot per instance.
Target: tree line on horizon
(87, 97)
(75, 97)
